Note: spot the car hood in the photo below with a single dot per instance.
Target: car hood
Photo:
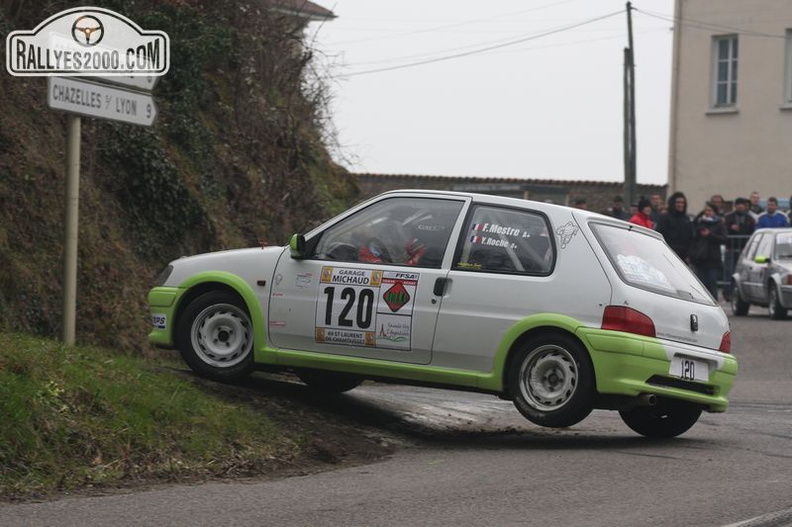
(784, 265)
(248, 263)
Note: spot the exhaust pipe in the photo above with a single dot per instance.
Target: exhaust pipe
(647, 399)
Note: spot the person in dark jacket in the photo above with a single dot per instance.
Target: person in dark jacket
(705, 251)
(676, 226)
(739, 227)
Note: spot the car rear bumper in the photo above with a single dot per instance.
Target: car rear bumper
(632, 365)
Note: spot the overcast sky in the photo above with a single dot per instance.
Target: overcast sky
(546, 101)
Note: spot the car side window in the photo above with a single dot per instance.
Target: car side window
(399, 231)
(506, 240)
(750, 250)
(765, 247)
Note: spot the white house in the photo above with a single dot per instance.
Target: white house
(731, 99)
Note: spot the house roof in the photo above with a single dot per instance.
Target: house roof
(301, 8)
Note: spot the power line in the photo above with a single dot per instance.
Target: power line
(458, 24)
(488, 48)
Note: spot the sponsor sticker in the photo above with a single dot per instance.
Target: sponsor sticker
(303, 280)
(366, 307)
(159, 321)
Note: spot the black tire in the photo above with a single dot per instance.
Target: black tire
(329, 381)
(551, 381)
(739, 306)
(669, 418)
(774, 307)
(215, 337)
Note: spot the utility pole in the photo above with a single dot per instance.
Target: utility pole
(629, 114)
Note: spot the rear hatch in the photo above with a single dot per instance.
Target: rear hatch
(652, 280)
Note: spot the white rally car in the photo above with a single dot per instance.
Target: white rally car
(560, 310)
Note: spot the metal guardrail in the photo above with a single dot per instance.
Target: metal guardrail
(730, 253)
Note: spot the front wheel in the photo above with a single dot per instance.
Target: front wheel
(669, 418)
(739, 306)
(774, 307)
(215, 337)
(552, 381)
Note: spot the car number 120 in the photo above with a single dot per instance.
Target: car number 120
(689, 369)
(354, 308)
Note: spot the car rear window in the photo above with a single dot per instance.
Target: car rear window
(646, 262)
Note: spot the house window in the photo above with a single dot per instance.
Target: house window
(724, 71)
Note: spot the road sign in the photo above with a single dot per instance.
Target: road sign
(99, 100)
(138, 82)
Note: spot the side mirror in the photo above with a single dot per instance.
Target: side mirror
(762, 259)
(297, 246)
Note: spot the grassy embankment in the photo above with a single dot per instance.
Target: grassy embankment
(77, 417)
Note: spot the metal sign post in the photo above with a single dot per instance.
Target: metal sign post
(133, 105)
(72, 207)
(126, 62)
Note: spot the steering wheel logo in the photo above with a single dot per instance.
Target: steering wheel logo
(87, 30)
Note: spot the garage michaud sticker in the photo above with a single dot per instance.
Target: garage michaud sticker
(365, 307)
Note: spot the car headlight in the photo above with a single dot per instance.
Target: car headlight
(163, 275)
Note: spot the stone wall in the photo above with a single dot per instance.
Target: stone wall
(598, 194)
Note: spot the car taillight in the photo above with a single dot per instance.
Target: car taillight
(725, 346)
(620, 318)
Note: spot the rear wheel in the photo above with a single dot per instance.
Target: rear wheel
(669, 418)
(215, 336)
(329, 381)
(739, 306)
(552, 381)
(774, 307)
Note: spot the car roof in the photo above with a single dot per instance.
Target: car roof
(779, 230)
(494, 200)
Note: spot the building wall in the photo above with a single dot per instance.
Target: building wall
(599, 195)
(750, 147)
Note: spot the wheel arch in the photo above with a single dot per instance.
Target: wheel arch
(528, 328)
(202, 283)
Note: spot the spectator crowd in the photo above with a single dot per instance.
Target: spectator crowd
(711, 240)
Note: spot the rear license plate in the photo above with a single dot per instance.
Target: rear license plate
(689, 369)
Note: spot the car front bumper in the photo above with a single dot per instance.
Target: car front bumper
(162, 306)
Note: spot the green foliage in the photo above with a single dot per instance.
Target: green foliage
(83, 416)
(158, 206)
(236, 156)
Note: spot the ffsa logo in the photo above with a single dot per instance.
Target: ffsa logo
(87, 41)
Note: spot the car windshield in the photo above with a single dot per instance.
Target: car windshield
(783, 250)
(646, 262)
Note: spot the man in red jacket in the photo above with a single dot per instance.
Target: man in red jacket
(643, 216)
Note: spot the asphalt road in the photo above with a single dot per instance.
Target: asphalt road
(470, 459)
